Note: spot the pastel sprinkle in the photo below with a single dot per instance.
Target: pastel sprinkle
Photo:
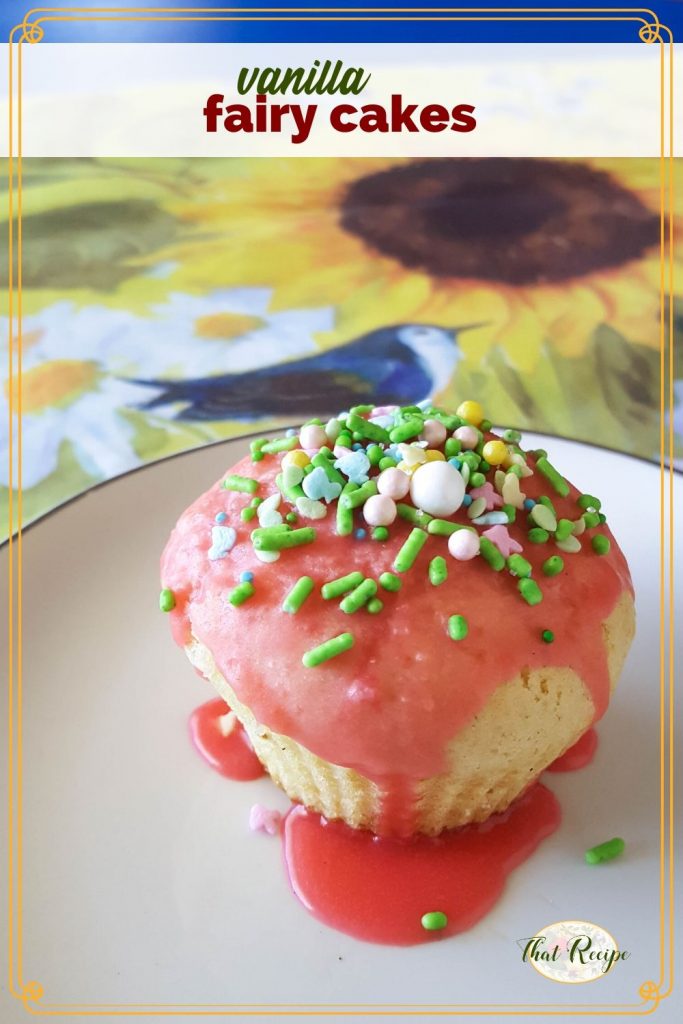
(308, 508)
(360, 533)
(166, 600)
(543, 517)
(241, 593)
(297, 595)
(457, 627)
(246, 577)
(335, 588)
(434, 921)
(244, 484)
(571, 545)
(329, 649)
(221, 517)
(222, 541)
(438, 571)
(319, 487)
(605, 851)
(354, 466)
(263, 819)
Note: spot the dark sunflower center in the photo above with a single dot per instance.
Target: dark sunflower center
(515, 221)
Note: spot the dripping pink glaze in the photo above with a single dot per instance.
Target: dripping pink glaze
(377, 889)
(232, 755)
(389, 706)
(578, 756)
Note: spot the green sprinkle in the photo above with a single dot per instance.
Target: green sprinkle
(452, 447)
(510, 511)
(553, 565)
(247, 514)
(552, 476)
(380, 533)
(484, 466)
(322, 461)
(365, 429)
(290, 491)
(406, 430)
(434, 921)
(283, 444)
(477, 480)
(387, 463)
(564, 529)
(329, 649)
(374, 605)
(406, 410)
(449, 422)
(167, 600)
(485, 425)
(359, 596)
(605, 851)
(589, 502)
(255, 448)
(457, 627)
(545, 500)
(245, 484)
(543, 517)
(491, 554)
(411, 548)
(272, 539)
(342, 585)
(600, 544)
(444, 528)
(519, 566)
(472, 460)
(515, 470)
(292, 517)
(374, 453)
(241, 593)
(547, 636)
(591, 519)
(438, 571)
(602, 518)
(345, 440)
(512, 436)
(413, 515)
(390, 582)
(297, 595)
(530, 591)
(537, 535)
(344, 524)
(359, 410)
(352, 499)
(540, 453)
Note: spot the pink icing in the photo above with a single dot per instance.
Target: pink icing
(389, 706)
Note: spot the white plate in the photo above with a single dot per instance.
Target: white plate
(142, 881)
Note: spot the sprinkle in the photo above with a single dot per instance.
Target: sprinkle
(547, 636)
(512, 436)
(538, 535)
(477, 508)
(444, 528)
(246, 577)
(564, 528)
(221, 517)
(485, 491)
(298, 459)
(463, 545)
(571, 545)
(308, 508)
(438, 571)
(344, 526)
(498, 518)
(368, 430)
(602, 518)
(491, 554)
(394, 483)
(374, 605)
(267, 556)
(477, 480)
(545, 500)
(329, 649)
(274, 539)
(589, 502)
(317, 486)
(471, 411)
(353, 499)
(227, 723)
(342, 585)
(434, 921)
(389, 581)
(222, 541)
(529, 504)
(467, 500)
(387, 462)
(380, 533)
(552, 476)
(332, 429)
(245, 484)
(411, 548)
(408, 429)
(500, 536)
(374, 452)
(292, 517)
(359, 596)
(379, 510)
(495, 452)
(605, 851)
(553, 565)
(591, 519)
(457, 627)
(600, 544)
(452, 448)
(578, 527)
(283, 444)
(519, 566)
(512, 495)
(255, 449)
(262, 819)
(297, 595)
(543, 517)
(267, 511)
(166, 600)
(360, 533)
(241, 593)
(530, 591)
(413, 515)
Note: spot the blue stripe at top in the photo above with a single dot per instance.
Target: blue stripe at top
(565, 29)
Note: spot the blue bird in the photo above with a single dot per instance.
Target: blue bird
(398, 365)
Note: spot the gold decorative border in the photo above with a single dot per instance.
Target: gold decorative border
(651, 30)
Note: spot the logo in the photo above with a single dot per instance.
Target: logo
(572, 952)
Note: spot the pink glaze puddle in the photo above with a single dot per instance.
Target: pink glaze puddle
(578, 756)
(377, 889)
(232, 755)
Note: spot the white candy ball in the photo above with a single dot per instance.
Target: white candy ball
(379, 510)
(312, 436)
(394, 483)
(463, 545)
(434, 433)
(468, 437)
(437, 488)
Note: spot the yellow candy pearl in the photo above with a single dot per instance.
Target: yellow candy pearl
(434, 455)
(472, 412)
(495, 452)
(296, 458)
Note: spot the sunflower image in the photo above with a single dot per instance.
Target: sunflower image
(531, 252)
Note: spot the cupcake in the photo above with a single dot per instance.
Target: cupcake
(411, 616)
